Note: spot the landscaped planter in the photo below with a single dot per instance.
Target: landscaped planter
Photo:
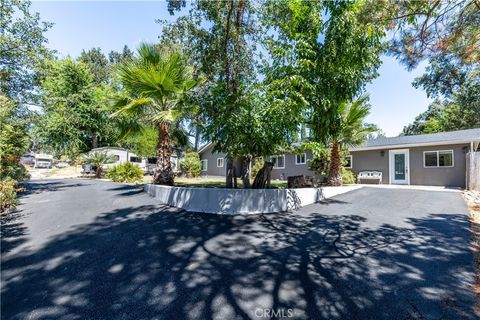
(241, 201)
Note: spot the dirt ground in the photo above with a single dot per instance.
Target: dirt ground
(55, 173)
(473, 201)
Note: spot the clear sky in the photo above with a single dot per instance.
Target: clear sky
(112, 24)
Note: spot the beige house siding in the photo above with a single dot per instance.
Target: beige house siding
(378, 160)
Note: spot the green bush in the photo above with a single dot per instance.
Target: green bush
(191, 165)
(347, 176)
(125, 172)
(8, 194)
(13, 170)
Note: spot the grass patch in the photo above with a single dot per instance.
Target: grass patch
(202, 182)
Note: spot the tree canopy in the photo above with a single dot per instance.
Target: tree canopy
(22, 49)
(74, 119)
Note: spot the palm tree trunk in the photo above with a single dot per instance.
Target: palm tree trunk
(163, 173)
(334, 177)
(98, 171)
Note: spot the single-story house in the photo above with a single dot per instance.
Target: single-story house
(437, 159)
(124, 155)
(285, 165)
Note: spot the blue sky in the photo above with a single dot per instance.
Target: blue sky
(112, 24)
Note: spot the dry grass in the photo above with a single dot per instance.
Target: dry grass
(209, 182)
(55, 173)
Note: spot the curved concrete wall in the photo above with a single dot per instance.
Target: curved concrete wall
(241, 201)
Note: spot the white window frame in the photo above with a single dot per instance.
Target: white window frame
(438, 159)
(221, 161)
(351, 161)
(275, 165)
(301, 163)
(206, 164)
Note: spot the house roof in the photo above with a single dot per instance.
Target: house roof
(205, 147)
(441, 138)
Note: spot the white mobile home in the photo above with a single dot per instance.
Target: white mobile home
(43, 161)
(124, 155)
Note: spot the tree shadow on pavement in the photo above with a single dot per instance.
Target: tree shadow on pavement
(145, 263)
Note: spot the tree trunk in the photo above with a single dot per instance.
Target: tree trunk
(197, 137)
(247, 172)
(334, 177)
(235, 182)
(163, 173)
(94, 140)
(225, 46)
(98, 171)
(229, 173)
(263, 177)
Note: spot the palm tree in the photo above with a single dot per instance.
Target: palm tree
(154, 84)
(98, 159)
(348, 129)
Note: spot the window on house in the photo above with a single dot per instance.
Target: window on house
(152, 160)
(219, 162)
(348, 162)
(135, 159)
(116, 157)
(279, 162)
(301, 158)
(434, 159)
(204, 165)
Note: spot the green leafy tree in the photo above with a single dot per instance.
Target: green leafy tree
(424, 29)
(327, 51)
(116, 57)
(154, 84)
(22, 48)
(74, 118)
(97, 64)
(13, 141)
(220, 42)
(456, 89)
(143, 143)
(13, 144)
(98, 160)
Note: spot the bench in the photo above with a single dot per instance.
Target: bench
(370, 175)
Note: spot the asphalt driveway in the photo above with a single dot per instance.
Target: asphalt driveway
(82, 249)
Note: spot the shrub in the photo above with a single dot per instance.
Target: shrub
(13, 170)
(347, 176)
(125, 172)
(8, 194)
(257, 166)
(191, 164)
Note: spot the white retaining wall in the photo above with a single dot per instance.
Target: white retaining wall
(241, 201)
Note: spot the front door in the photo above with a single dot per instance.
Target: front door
(399, 167)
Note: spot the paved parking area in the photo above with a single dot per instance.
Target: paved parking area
(83, 249)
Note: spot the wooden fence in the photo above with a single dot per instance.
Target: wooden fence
(473, 170)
